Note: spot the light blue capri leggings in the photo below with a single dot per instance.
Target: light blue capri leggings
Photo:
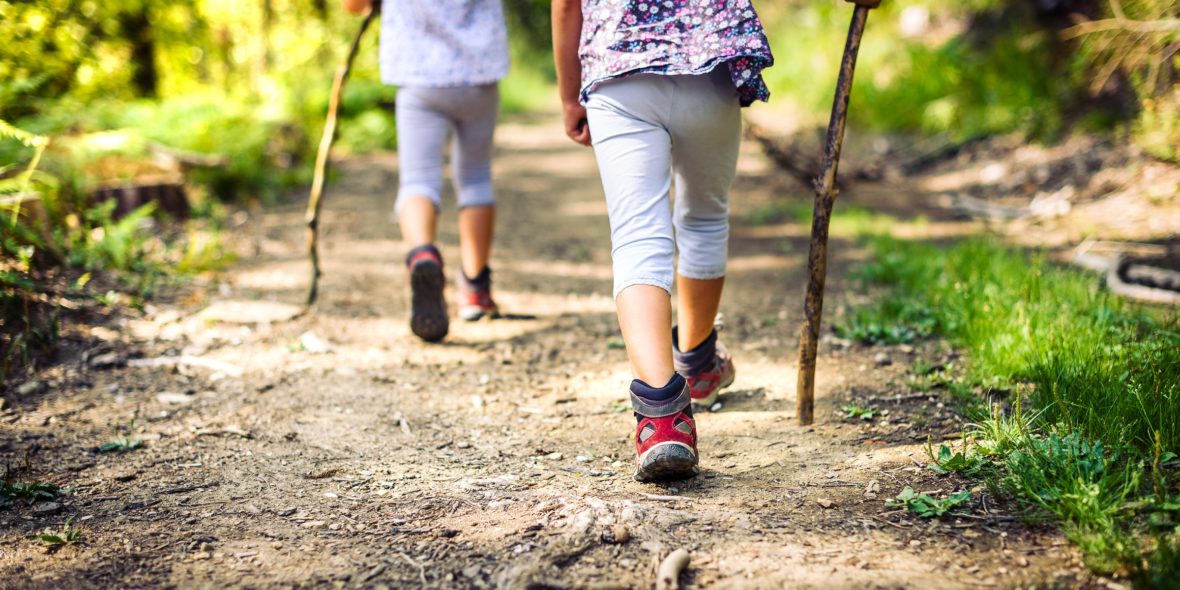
(425, 116)
(647, 129)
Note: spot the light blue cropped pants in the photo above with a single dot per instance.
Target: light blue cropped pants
(425, 116)
(647, 129)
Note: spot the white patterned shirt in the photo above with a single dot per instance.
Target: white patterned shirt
(626, 37)
(438, 43)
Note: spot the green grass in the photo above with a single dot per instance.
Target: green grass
(1094, 363)
(1075, 393)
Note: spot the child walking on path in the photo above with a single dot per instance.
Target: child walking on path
(446, 57)
(656, 86)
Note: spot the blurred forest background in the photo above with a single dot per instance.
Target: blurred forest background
(213, 101)
(133, 132)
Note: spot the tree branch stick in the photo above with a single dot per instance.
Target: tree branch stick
(315, 199)
(825, 197)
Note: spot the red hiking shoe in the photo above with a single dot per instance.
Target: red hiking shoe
(708, 369)
(428, 310)
(475, 296)
(665, 437)
(706, 385)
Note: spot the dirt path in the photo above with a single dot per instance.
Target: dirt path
(348, 454)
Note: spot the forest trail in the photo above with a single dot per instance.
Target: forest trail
(336, 450)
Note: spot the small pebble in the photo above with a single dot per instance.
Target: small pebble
(47, 508)
(30, 388)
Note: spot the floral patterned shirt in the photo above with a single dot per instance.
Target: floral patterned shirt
(437, 43)
(625, 37)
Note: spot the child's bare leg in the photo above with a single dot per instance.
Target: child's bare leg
(418, 220)
(699, 300)
(476, 226)
(645, 313)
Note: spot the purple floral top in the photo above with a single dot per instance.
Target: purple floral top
(626, 37)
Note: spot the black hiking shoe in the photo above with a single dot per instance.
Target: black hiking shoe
(428, 310)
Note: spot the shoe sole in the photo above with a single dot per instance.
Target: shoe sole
(667, 461)
(474, 314)
(428, 311)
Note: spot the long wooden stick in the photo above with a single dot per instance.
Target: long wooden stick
(315, 199)
(825, 197)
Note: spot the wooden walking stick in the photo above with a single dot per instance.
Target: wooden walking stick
(825, 196)
(315, 199)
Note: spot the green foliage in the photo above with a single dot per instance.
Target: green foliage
(54, 239)
(1085, 487)
(968, 88)
(947, 460)
(855, 412)
(1163, 568)
(895, 321)
(927, 506)
(979, 68)
(1157, 130)
(68, 535)
(27, 492)
(1001, 433)
(123, 443)
(1138, 60)
(991, 75)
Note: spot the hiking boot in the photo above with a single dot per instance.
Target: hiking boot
(708, 368)
(475, 296)
(666, 435)
(428, 310)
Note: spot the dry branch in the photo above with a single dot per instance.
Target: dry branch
(1168, 25)
(825, 197)
(315, 199)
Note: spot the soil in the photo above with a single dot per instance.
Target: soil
(333, 449)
